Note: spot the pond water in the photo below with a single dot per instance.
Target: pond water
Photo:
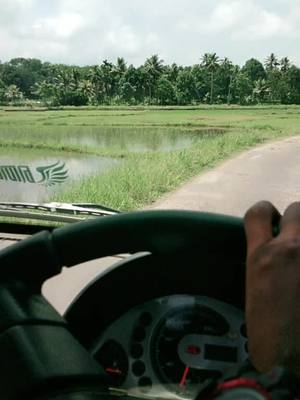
(133, 139)
(32, 176)
(136, 140)
(28, 175)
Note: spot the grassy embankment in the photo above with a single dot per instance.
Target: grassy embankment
(141, 178)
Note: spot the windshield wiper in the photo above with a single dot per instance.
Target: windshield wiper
(57, 212)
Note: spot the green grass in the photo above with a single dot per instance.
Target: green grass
(144, 178)
(218, 133)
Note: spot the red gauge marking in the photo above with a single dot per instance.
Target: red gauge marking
(113, 371)
(184, 376)
(193, 350)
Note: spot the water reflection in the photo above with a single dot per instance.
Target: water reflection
(33, 176)
(136, 139)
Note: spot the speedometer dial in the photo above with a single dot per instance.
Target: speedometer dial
(170, 345)
(192, 344)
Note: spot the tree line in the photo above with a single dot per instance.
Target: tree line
(211, 81)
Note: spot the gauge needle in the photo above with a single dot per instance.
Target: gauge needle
(183, 379)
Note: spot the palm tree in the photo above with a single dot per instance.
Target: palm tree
(87, 88)
(172, 72)
(234, 70)
(46, 91)
(211, 61)
(227, 72)
(65, 84)
(2, 90)
(108, 75)
(261, 90)
(121, 66)
(13, 93)
(96, 77)
(65, 81)
(119, 73)
(285, 64)
(271, 62)
(153, 67)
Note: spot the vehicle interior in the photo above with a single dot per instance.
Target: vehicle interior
(134, 137)
(157, 324)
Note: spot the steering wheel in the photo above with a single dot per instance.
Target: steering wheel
(40, 357)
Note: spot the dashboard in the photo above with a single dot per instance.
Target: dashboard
(159, 322)
(169, 346)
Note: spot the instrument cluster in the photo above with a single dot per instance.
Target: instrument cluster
(169, 346)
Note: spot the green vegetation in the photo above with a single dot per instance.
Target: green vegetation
(32, 82)
(141, 177)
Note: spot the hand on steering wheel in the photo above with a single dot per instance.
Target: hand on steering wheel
(273, 286)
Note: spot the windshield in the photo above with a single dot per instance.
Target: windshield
(119, 104)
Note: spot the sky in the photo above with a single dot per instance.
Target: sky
(86, 32)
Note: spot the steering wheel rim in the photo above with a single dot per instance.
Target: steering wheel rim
(159, 232)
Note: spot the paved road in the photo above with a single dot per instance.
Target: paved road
(271, 172)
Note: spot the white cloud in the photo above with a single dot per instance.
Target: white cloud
(63, 26)
(241, 19)
(123, 37)
(227, 15)
(84, 32)
(265, 25)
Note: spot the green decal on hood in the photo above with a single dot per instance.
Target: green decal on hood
(50, 174)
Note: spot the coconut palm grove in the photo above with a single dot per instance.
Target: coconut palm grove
(32, 82)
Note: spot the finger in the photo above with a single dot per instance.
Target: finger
(290, 222)
(259, 221)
